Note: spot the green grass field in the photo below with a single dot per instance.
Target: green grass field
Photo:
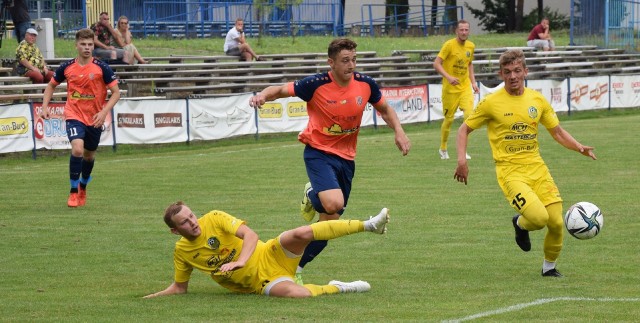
(384, 46)
(449, 253)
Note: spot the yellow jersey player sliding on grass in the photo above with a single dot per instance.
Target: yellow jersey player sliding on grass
(224, 247)
(513, 115)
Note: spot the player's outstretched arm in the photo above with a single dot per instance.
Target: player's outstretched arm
(269, 94)
(564, 138)
(174, 288)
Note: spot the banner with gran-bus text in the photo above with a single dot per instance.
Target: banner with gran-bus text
(141, 121)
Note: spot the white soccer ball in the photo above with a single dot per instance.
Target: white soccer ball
(583, 220)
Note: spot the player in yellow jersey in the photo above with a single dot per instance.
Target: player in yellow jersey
(224, 247)
(513, 115)
(454, 63)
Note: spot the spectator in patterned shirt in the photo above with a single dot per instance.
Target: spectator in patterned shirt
(106, 40)
(30, 60)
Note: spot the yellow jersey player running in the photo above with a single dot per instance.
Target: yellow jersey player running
(224, 247)
(513, 115)
(455, 63)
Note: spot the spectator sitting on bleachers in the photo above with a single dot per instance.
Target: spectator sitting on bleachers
(540, 37)
(236, 45)
(30, 60)
(122, 29)
(104, 49)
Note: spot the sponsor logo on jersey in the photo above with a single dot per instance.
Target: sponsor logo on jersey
(213, 243)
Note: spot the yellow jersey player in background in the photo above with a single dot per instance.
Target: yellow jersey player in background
(513, 115)
(224, 247)
(454, 63)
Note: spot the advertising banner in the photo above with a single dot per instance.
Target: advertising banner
(554, 91)
(15, 128)
(411, 103)
(589, 93)
(625, 91)
(216, 118)
(150, 121)
(52, 133)
(283, 115)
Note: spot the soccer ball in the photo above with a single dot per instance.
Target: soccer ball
(583, 220)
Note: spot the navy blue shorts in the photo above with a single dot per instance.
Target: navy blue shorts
(327, 171)
(90, 134)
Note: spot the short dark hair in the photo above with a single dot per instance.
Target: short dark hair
(170, 211)
(84, 33)
(340, 44)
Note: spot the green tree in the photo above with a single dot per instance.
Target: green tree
(499, 15)
(493, 16)
(557, 20)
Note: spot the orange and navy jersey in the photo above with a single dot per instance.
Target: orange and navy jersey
(86, 88)
(335, 112)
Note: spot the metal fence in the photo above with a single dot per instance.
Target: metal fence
(213, 18)
(205, 19)
(419, 20)
(608, 23)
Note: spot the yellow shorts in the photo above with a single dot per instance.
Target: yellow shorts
(273, 265)
(452, 101)
(524, 183)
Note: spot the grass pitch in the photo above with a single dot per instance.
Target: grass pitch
(449, 254)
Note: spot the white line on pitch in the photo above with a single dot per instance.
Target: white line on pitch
(541, 301)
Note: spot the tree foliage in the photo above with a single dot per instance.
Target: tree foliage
(557, 20)
(506, 16)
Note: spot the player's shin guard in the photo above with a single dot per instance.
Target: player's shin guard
(445, 129)
(327, 230)
(87, 167)
(555, 232)
(322, 290)
(75, 167)
(313, 249)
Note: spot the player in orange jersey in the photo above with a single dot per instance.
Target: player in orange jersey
(85, 111)
(335, 103)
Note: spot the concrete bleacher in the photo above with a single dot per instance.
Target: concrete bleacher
(202, 76)
(24, 91)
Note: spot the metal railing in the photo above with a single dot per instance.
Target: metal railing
(610, 23)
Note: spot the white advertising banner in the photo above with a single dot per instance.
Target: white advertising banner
(554, 91)
(435, 102)
(283, 115)
(589, 93)
(368, 115)
(411, 103)
(484, 90)
(150, 121)
(625, 91)
(216, 118)
(52, 133)
(15, 128)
